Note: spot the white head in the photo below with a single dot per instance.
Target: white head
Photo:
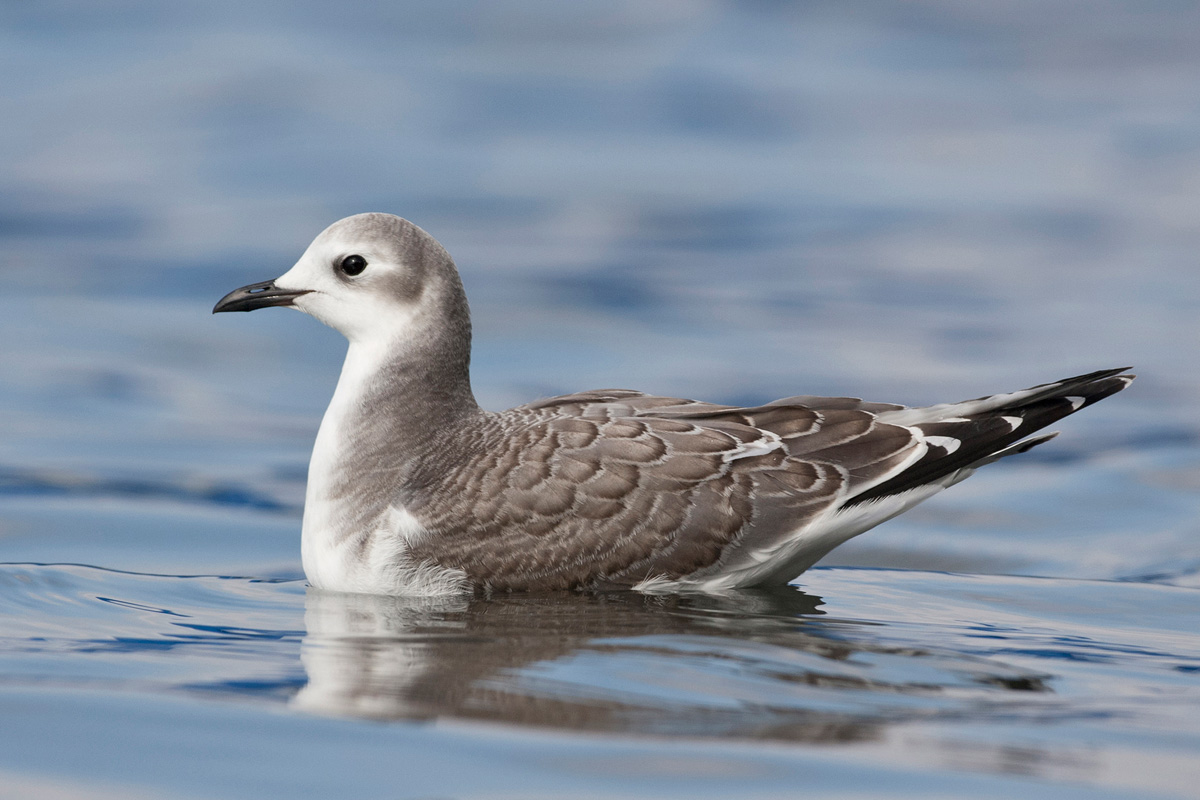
(386, 285)
(370, 277)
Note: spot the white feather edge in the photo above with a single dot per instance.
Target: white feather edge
(947, 443)
(769, 442)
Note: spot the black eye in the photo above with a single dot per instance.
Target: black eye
(353, 265)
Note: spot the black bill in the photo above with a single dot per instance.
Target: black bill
(257, 295)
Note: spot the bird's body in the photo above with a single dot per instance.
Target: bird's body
(414, 489)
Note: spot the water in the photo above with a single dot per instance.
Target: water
(732, 202)
(890, 682)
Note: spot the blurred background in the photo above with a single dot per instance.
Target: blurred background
(911, 202)
(731, 201)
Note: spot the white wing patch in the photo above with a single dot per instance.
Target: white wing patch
(948, 443)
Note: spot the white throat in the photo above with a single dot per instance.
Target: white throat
(371, 558)
(324, 517)
(363, 362)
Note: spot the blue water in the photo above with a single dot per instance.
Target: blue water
(732, 202)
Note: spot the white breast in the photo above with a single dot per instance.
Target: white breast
(337, 559)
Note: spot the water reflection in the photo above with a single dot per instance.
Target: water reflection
(762, 665)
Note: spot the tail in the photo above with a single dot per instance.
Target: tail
(966, 435)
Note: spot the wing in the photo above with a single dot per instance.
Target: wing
(616, 487)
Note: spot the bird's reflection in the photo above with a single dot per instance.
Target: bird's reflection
(754, 665)
(485, 658)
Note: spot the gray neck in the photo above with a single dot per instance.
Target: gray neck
(397, 412)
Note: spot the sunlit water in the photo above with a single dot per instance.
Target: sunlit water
(733, 203)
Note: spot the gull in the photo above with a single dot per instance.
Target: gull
(413, 489)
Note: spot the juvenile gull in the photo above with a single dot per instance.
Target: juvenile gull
(414, 489)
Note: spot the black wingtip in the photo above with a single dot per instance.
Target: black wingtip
(1037, 407)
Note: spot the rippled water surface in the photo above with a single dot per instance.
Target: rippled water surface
(897, 682)
(734, 202)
